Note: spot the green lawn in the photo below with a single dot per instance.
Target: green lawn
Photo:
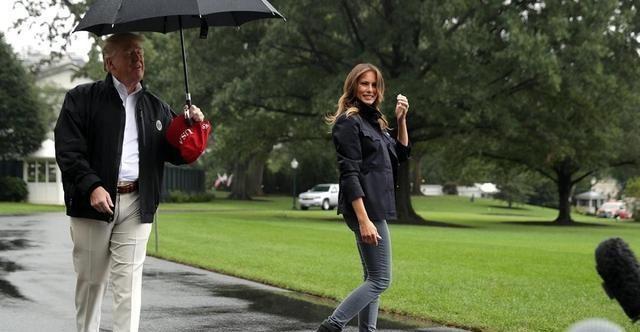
(11, 208)
(500, 270)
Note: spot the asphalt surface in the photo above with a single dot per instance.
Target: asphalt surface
(37, 284)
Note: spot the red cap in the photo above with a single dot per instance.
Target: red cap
(191, 140)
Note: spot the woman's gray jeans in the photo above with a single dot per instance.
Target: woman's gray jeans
(363, 301)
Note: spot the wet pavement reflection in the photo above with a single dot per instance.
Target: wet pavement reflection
(296, 306)
(37, 280)
(8, 241)
(291, 304)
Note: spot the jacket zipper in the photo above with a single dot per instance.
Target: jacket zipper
(123, 119)
(141, 125)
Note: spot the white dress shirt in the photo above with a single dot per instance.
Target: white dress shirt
(129, 158)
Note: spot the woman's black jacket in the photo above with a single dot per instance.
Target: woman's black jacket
(368, 159)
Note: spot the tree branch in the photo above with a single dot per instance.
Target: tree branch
(328, 67)
(268, 108)
(578, 179)
(520, 162)
(353, 24)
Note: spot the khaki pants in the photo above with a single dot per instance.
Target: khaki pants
(115, 251)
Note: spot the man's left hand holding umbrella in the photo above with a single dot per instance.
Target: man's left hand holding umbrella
(111, 148)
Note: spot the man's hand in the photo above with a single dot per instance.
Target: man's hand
(194, 113)
(101, 201)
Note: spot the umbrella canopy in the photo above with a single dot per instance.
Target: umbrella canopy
(113, 16)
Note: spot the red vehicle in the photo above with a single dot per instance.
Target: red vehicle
(614, 209)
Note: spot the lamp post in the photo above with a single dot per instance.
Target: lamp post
(294, 166)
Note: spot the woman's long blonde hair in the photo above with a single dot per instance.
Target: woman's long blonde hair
(349, 99)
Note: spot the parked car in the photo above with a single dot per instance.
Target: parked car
(322, 195)
(614, 209)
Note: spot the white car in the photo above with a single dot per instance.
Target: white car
(322, 195)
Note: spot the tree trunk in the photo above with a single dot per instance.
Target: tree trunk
(247, 176)
(239, 183)
(254, 176)
(416, 165)
(564, 195)
(406, 214)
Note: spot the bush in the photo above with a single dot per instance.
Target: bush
(13, 189)
(178, 196)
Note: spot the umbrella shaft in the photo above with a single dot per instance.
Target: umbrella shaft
(184, 65)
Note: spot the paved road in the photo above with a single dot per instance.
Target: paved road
(37, 282)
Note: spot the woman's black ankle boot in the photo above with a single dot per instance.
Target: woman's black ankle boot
(327, 327)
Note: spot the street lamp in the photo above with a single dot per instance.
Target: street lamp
(294, 166)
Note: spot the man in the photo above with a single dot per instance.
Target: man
(111, 148)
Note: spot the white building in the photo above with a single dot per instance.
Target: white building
(477, 190)
(431, 189)
(589, 202)
(42, 175)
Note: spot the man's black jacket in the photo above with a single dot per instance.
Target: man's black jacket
(88, 139)
(368, 159)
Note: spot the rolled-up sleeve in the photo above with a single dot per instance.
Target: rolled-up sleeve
(71, 148)
(346, 139)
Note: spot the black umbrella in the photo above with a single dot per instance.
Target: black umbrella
(112, 16)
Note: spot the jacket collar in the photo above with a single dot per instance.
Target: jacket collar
(370, 113)
(109, 82)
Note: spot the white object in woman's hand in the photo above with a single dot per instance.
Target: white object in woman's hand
(402, 106)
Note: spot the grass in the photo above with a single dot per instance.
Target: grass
(11, 208)
(500, 269)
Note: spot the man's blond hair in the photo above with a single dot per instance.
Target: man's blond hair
(114, 43)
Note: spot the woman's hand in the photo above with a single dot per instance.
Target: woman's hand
(402, 107)
(369, 233)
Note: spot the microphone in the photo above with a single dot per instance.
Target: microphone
(620, 272)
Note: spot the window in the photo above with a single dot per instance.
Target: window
(31, 171)
(320, 188)
(42, 171)
(51, 166)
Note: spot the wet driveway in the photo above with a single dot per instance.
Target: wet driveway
(37, 284)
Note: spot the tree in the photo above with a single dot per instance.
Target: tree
(298, 68)
(59, 28)
(573, 72)
(503, 80)
(515, 184)
(22, 128)
(632, 192)
(632, 188)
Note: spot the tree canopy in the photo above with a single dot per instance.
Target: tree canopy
(548, 86)
(22, 128)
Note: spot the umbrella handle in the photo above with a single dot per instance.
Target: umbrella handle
(187, 118)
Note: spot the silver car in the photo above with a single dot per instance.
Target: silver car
(323, 195)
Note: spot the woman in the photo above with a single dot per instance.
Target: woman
(368, 158)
